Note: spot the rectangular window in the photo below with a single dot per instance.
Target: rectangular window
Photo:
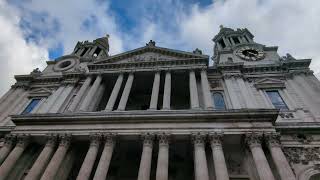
(31, 106)
(277, 100)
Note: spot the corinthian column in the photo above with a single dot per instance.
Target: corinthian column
(43, 159)
(278, 157)
(80, 94)
(88, 162)
(104, 162)
(126, 93)
(146, 157)
(53, 166)
(167, 92)
(114, 93)
(207, 99)
(194, 99)
(220, 165)
(8, 144)
(8, 164)
(163, 157)
(155, 91)
(92, 92)
(200, 160)
(254, 142)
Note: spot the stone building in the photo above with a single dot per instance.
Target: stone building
(163, 114)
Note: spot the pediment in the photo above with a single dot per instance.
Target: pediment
(267, 83)
(40, 92)
(151, 54)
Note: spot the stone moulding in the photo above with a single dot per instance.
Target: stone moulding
(260, 115)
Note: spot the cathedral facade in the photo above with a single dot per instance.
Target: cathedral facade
(155, 113)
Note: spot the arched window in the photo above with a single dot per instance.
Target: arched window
(218, 101)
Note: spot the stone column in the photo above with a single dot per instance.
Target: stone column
(87, 165)
(194, 99)
(155, 91)
(254, 142)
(92, 92)
(163, 157)
(8, 164)
(219, 161)
(207, 99)
(8, 144)
(46, 106)
(200, 160)
(167, 92)
(126, 93)
(146, 157)
(54, 164)
(61, 98)
(43, 159)
(104, 162)
(229, 80)
(80, 94)
(278, 157)
(114, 93)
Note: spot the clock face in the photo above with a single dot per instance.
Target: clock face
(250, 53)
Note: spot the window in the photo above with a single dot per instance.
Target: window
(218, 101)
(97, 52)
(276, 100)
(236, 40)
(223, 45)
(31, 106)
(84, 51)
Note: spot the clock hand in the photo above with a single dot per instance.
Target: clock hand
(252, 53)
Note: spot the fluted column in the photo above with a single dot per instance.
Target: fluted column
(207, 99)
(8, 164)
(146, 157)
(126, 93)
(80, 94)
(114, 93)
(155, 91)
(43, 159)
(194, 99)
(200, 160)
(254, 142)
(104, 162)
(55, 162)
(8, 144)
(163, 157)
(167, 92)
(278, 157)
(90, 158)
(219, 161)
(92, 92)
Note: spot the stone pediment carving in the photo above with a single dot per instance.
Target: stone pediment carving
(40, 92)
(267, 83)
(151, 54)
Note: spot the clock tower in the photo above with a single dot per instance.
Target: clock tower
(238, 46)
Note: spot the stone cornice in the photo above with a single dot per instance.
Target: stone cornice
(257, 115)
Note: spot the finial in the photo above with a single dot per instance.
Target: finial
(221, 26)
(107, 35)
(151, 43)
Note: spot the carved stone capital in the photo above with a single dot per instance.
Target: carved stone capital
(51, 140)
(215, 139)
(198, 138)
(273, 139)
(109, 139)
(65, 140)
(23, 140)
(147, 139)
(9, 140)
(164, 139)
(95, 139)
(253, 139)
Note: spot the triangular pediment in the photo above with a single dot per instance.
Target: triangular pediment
(269, 83)
(153, 53)
(40, 92)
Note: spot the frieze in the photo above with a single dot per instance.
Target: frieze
(305, 139)
(302, 155)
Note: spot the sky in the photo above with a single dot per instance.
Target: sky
(35, 31)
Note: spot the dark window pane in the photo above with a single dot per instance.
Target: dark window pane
(276, 100)
(31, 106)
(218, 101)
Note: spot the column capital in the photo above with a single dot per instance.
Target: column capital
(164, 139)
(23, 140)
(51, 140)
(273, 139)
(215, 139)
(147, 139)
(253, 139)
(65, 139)
(9, 140)
(198, 138)
(95, 139)
(109, 139)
